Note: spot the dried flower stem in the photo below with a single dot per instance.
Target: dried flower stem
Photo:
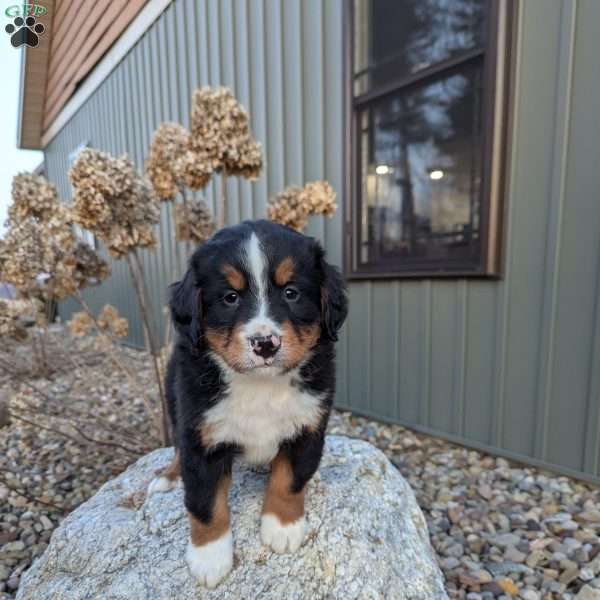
(222, 213)
(59, 405)
(186, 210)
(135, 268)
(42, 358)
(85, 437)
(118, 363)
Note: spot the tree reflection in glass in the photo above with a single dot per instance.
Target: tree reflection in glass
(419, 146)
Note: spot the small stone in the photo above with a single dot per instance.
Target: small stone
(13, 583)
(506, 568)
(16, 546)
(592, 516)
(485, 491)
(456, 550)
(508, 587)
(529, 594)
(513, 555)
(535, 558)
(449, 563)
(588, 593)
(46, 522)
(505, 540)
(569, 575)
(533, 525)
(482, 576)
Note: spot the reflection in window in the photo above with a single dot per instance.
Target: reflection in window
(396, 38)
(423, 104)
(420, 171)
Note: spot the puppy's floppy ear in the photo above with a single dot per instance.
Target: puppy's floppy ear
(186, 308)
(334, 301)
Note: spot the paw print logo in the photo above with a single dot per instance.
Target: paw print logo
(25, 32)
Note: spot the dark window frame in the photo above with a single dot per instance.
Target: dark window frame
(497, 120)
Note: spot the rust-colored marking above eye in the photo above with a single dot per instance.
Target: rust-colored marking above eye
(234, 277)
(284, 273)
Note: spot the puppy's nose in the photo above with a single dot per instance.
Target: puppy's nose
(265, 346)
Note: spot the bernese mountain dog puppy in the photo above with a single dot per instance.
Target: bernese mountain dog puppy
(252, 375)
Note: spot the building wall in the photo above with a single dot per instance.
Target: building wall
(81, 33)
(509, 365)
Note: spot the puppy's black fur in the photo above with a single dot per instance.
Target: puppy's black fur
(197, 375)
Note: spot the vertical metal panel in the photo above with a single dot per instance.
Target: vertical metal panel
(578, 258)
(276, 149)
(312, 116)
(508, 365)
(529, 222)
(242, 87)
(480, 359)
(293, 98)
(384, 370)
(444, 346)
(411, 343)
(258, 95)
(359, 344)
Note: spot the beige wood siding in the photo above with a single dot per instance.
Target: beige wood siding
(82, 33)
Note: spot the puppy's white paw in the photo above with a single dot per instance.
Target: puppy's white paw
(161, 484)
(282, 538)
(211, 562)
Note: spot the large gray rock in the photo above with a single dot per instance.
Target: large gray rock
(367, 539)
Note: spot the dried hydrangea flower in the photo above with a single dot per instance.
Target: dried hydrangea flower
(110, 320)
(80, 324)
(288, 209)
(90, 268)
(196, 170)
(295, 205)
(221, 138)
(193, 222)
(44, 260)
(113, 201)
(32, 196)
(13, 314)
(320, 198)
(166, 165)
(23, 255)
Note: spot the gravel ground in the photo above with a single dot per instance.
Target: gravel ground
(500, 530)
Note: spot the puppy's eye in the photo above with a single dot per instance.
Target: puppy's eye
(231, 298)
(291, 293)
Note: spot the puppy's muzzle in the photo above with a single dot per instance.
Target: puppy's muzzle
(265, 346)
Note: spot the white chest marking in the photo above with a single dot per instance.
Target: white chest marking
(260, 412)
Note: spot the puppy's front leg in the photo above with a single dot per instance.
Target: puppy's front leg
(283, 525)
(206, 479)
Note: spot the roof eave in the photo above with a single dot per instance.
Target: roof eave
(32, 87)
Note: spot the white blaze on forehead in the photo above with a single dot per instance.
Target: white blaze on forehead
(257, 265)
(258, 268)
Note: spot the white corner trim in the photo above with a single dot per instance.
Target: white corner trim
(127, 40)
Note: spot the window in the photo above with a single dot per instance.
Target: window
(428, 81)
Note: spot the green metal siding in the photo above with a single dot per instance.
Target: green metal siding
(511, 365)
